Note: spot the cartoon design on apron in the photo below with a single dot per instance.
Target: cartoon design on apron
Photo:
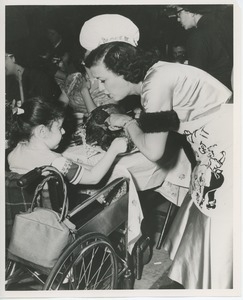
(207, 176)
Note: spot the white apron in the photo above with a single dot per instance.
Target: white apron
(200, 241)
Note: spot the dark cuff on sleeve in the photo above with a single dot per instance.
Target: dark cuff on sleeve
(162, 121)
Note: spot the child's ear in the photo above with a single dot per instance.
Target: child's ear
(40, 131)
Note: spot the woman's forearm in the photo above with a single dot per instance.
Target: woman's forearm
(151, 145)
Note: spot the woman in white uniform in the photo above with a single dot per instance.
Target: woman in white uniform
(191, 102)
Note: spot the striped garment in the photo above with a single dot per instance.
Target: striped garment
(71, 170)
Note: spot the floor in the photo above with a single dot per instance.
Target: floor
(154, 274)
(154, 270)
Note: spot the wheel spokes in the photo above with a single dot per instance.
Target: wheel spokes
(88, 265)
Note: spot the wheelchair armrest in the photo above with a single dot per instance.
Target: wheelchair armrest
(30, 177)
(106, 194)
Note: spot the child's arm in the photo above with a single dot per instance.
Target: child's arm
(84, 89)
(76, 174)
(97, 172)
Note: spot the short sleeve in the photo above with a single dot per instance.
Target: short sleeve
(157, 89)
(71, 170)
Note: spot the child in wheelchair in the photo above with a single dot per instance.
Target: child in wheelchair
(37, 131)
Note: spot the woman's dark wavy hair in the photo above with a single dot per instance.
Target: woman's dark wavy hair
(123, 59)
(37, 111)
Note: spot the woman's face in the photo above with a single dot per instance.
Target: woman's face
(117, 87)
(186, 18)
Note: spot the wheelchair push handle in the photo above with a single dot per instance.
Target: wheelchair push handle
(30, 177)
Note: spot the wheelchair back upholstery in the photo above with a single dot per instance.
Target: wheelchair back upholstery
(17, 199)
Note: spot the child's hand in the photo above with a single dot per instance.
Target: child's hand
(119, 145)
(85, 84)
(98, 96)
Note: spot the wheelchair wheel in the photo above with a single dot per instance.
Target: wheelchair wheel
(89, 263)
(12, 274)
(19, 277)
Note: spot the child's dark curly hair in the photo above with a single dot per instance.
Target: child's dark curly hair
(36, 111)
(123, 59)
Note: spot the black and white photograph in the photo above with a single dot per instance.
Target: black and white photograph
(121, 149)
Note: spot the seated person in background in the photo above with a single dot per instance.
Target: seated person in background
(179, 53)
(60, 50)
(54, 50)
(83, 91)
(210, 42)
(37, 131)
(24, 80)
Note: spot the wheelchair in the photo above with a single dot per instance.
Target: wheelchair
(97, 258)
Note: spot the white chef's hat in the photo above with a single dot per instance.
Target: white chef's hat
(108, 28)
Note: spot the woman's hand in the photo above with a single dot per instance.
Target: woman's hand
(119, 145)
(137, 111)
(118, 120)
